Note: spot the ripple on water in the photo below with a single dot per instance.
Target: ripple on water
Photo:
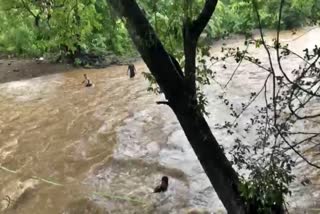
(17, 192)
(7, 149)
(153, 138)
(67, 130)
(31, 89)
(126, 186)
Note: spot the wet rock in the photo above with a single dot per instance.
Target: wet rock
(17, 193)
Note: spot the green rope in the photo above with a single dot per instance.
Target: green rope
(121, 198)
(33, 177)
(8, 170)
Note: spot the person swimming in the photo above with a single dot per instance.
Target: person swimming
(131, 70)
(163, 186)
(86, 81)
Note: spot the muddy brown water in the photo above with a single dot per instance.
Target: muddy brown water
(65, 148)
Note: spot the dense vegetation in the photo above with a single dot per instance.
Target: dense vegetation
(42, 27)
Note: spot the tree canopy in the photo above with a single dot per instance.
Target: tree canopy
(38, 27)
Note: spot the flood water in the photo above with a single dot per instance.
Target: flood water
(65, 148)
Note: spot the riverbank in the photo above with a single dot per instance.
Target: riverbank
(15, 69)
(20, 69)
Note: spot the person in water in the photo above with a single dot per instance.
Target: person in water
(86, 81)
(163, 186)
(131, 70)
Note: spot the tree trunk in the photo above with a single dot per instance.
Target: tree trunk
(190, 46)
(219, 170)
(222, 176)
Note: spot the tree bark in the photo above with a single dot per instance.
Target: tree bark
(219, 170)
(190, 46)
(191, 33)
(222, 176)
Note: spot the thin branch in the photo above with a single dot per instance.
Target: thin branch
(252, 100)
(278, 54)
(260, 66)
(235, 70)
(261, 35)
(312, 148)
(294, 112)
(270, 60)
(28, 8)
(267, 118)
(291, 51)
(274, 80)
(306, 70)
(303, 34)
(302, 141)
(297, 152)
(163, 103)
(303, 133)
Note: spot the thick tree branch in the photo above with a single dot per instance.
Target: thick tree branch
(151, 49)
(191, 33)
(202, 20)
(163, 103)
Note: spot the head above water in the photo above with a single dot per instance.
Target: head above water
(165, 179)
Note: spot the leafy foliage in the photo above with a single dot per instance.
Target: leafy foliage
(35, 28)
(236, 16)
(274, 128)
(40, 27)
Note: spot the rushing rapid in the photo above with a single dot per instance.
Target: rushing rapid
(66, 148)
